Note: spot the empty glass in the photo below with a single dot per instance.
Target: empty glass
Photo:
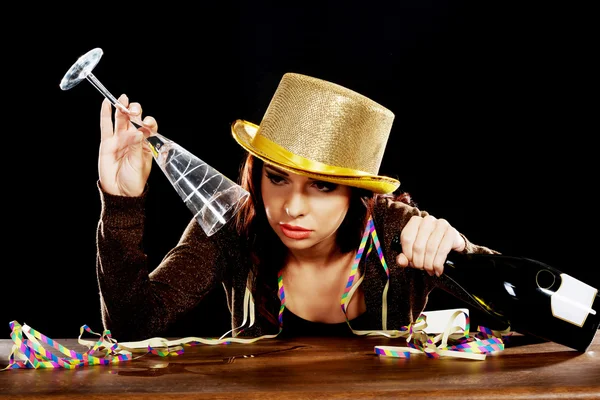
(212, 197)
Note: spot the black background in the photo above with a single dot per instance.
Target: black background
(495, 104)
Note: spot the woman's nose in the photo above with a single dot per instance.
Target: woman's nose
(296, 206)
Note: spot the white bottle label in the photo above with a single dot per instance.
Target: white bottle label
(573, 300)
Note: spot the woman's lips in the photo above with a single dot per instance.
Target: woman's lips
(294, 232)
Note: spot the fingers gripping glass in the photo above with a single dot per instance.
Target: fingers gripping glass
(211, 196)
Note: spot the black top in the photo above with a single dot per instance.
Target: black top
(294, 325)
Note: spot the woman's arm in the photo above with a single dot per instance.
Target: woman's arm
(138, 303)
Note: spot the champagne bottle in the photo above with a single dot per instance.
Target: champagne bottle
(529, 296)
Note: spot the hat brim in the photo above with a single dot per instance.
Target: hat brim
(243, 132)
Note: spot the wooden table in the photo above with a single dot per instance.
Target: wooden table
(314, 368)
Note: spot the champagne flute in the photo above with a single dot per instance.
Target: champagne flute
(212, 197)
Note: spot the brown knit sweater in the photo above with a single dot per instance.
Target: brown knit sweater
(140, 301)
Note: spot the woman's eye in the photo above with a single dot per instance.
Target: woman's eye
(275, 179)
(325, 186)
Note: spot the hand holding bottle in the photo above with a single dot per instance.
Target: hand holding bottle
(522, 294)
(124, 160)
(426, 243)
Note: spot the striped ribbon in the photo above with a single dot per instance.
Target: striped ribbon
(370, 228)
(453, 342)
(28, 350)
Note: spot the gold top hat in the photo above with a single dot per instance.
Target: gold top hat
(321, 130)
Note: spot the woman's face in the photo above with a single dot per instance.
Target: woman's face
(302, 211)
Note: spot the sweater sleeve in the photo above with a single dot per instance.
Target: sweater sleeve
(138, 302)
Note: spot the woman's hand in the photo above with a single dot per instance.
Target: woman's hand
(426, 242)
(125, 158)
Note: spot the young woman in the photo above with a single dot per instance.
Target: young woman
(316, 249)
